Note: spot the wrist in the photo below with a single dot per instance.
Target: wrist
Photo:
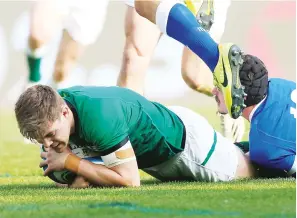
(72, 163)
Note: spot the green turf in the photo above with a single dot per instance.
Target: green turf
(25, 193)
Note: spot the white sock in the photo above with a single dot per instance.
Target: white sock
(37, 53)
(162, 13)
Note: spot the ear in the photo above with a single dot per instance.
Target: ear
(65, 111)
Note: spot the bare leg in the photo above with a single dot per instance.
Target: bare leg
(45, 21)
(195, 73)
(147, 9)
(69, 51)
(142, 36)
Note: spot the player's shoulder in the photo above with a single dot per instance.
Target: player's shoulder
(91, 93)
(276, 83)
(280, 90)
(87, 90)
(89, 101)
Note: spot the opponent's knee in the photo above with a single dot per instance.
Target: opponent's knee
(135, 51)
(134, 66)
(140, 7)
(134, 63)
(147, 9)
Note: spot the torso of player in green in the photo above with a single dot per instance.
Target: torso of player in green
(107, 117)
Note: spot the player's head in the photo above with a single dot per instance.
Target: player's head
(254, 77)
(43, 116)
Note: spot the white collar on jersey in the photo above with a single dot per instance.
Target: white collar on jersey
(255, 108)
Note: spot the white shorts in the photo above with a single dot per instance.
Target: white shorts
(220, 16)
(204, 157)
(83, 20)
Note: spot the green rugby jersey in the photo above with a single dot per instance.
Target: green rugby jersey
(107, 117)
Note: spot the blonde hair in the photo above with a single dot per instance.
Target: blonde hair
(35, 108)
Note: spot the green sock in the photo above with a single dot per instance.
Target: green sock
(244, 146)
(34, 68)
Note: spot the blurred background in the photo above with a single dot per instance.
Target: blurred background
(263, 28)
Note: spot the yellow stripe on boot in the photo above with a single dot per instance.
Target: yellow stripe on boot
(193, 6)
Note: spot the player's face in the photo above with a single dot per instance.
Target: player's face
(58, 133)
(220, 101)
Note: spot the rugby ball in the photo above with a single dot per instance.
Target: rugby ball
(67, 177)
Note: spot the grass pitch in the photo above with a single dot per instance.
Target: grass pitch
(24, 192)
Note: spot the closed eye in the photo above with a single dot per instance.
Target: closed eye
(50, 134)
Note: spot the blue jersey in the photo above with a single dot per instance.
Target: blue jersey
(273, 127)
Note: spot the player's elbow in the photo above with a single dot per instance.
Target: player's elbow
(130, 182)
(134, 183)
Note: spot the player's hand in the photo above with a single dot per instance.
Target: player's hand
(55, 161)
(79, 182)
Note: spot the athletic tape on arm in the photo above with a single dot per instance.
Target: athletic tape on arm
(120, 156)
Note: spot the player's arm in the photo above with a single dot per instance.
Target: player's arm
(109, 132)
(120, 168)
(106, 128)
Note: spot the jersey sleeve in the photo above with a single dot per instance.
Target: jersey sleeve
(105, 125)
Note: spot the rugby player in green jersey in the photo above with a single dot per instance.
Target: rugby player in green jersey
(130, 133)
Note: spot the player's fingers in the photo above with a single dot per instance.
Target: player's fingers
(43, 155)
(47, 171)
(43, 163)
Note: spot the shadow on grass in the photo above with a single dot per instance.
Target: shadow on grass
(128, 207)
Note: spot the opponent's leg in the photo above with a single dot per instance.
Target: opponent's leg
(178, 22)
(69, 51)
(82, 27)
(45, 21)
(195, 73)
(212, 16)
(141, 39)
